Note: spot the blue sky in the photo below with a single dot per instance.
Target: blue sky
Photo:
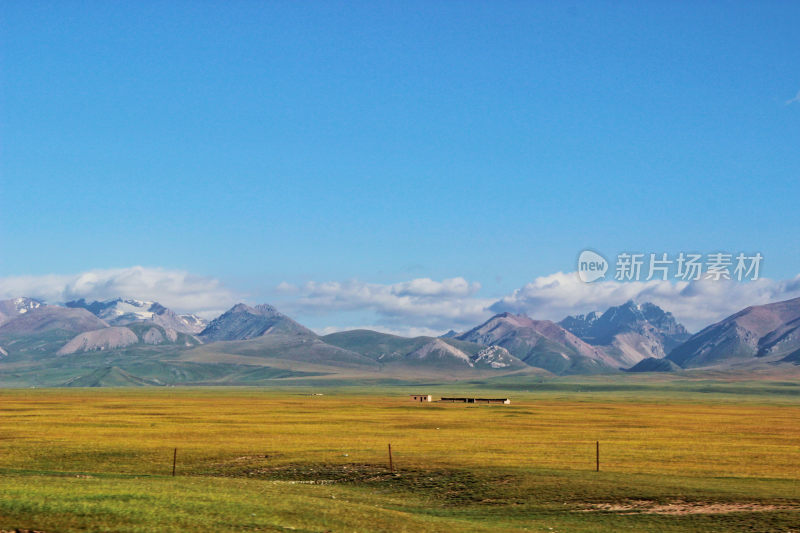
(375, 143)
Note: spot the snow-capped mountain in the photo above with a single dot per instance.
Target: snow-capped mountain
(17, 306)
(119, 312)
(197, 323)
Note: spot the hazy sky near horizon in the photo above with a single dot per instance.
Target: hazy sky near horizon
(341, 151)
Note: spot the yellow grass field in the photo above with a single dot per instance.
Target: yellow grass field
(69, 457)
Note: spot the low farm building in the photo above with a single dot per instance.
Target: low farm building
(505, 401)
(422, 397)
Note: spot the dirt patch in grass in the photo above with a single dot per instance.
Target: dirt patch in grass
(456, 487)
(443, 487)
(685, 508)
(331, 473)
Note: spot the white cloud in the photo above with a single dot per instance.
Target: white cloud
(285, 287)
(454, 287)
(696, 304)
(420, 303)
(424, 306)
(176, 289)
(796, 99)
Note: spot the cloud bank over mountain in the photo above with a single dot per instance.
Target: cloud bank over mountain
(696, 304)
(419, 302)
(176, 289)
(454, 303)
(421, 305)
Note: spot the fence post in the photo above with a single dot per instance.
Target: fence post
(597, 455)
(174, 460)
(391, 464)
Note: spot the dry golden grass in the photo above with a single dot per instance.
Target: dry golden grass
(261, 460)
(132, 431)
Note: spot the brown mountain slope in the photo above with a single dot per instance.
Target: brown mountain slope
(764, 330)
(542, 344)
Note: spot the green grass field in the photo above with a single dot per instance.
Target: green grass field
(674, 457)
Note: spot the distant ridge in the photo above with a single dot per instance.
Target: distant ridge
(118, 337)
(436, 352)
(49, 345)
(541, 343)
(767, 332)
(653, 364)
(50, 317)
(120, 312)
(242, 322)
(111, 376)
(629, 332)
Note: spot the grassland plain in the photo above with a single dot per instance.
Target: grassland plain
(675, 456)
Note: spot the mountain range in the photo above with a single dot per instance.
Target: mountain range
(629, 332)
(119, 312)
(541, 343)
(135, 342)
